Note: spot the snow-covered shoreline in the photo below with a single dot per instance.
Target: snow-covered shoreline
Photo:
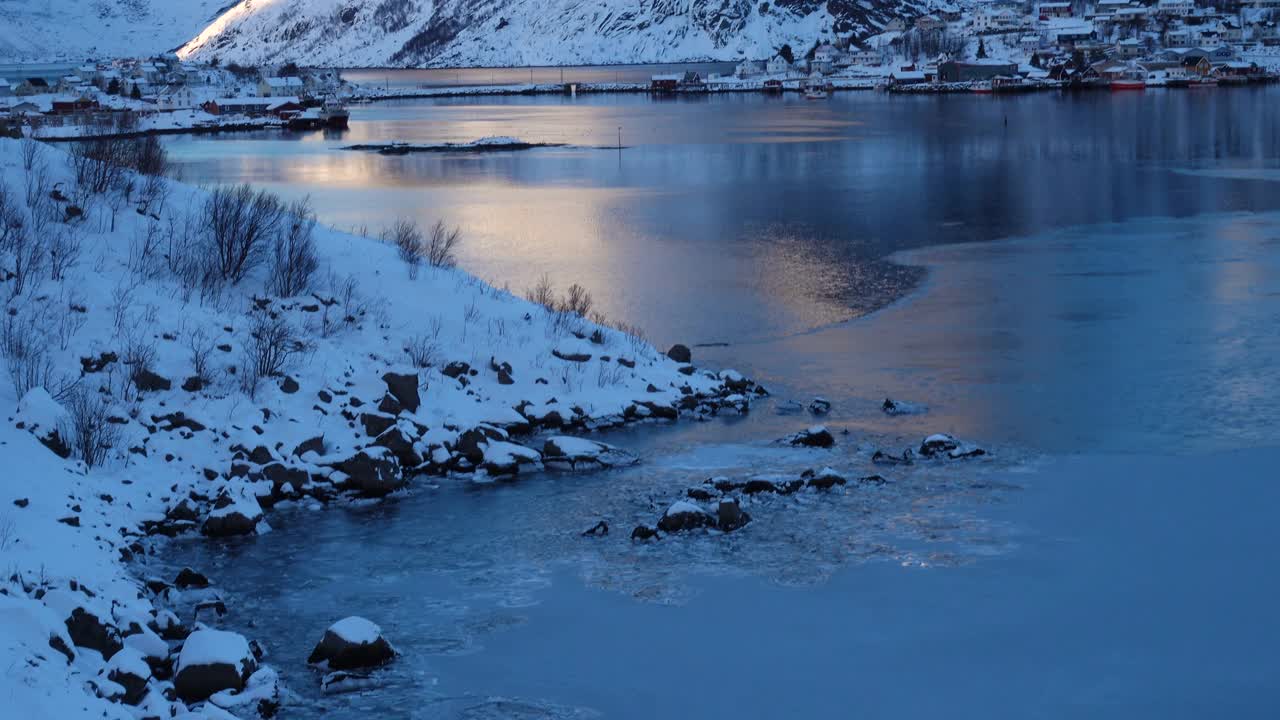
(389, 375)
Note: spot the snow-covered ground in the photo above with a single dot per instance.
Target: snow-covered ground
(387, 373)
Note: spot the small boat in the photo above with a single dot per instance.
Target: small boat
(983, 88)
(815, 91)
(773, 86)
(333, 114)
(1131, 79)
(1203, 82)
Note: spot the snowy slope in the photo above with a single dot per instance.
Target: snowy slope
(46, 30)
(529, 32)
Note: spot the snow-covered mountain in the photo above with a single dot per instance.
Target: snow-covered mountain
(49, 30)
(428, 33)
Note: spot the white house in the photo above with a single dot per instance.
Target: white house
(778, 65)
(280, 86)
(1130, 48)
(749, 68)
(927, 23)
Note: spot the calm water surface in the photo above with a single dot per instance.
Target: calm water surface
(1115, 348)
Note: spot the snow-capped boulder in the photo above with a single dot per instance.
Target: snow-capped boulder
(816, 436)
(471, 443)
(825, 479)
(352, 642)
(404, 388)
(129, 669)
(684, 515)
(681, 354)
(88, 629)
(729, 515)
(373, 472)
(212, 661)
(942, 445)
(562, 452)
(233, 515)
(820, 406)
(399, 439)
(508, 458)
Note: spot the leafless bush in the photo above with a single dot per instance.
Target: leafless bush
(148, 156)
(422, 351)
(72, 319)
(201, 348)
(273, 342)
(408, 241)
(11, 218)
(544, 293)
(91, 433)
(577, 301)
(239, 223)
(139, 357)
(26, 351)
(470, 314)
(144, 251)
(153, 195)
(29, 257)
(8, 533)
(30, 153)
(293, 257)
(121, 304)
(36, 182)
(64, 251)
(441, 244)
(101, 164)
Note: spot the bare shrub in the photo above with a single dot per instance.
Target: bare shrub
(544, 293)
(91, 433)
(148, 156)
(36, 182)
(29, 256)
(139, 357)
(26, 351)
(293, 252)
(144, 251)
(422, 351)
(239, 223)
(100, 164)
(408, 241)
(201, 348)
(11, 218)
(577, 301)
(273, 342)
(30, 153)
(64, 251)
(441, 245)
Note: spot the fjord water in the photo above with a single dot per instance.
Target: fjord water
(1100, 307)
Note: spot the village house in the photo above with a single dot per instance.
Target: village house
(664, 83)
(1177, 38)
(251, 106)
(1072, 36)
(32, 86)
(1029, 43)
(1130, 49)
(749, 69)
(1175, 8)
(865, 56)
(906, 77)
(1054, 10)
(277, 86)
(1110, 6)
(778, 65)
(929, 23)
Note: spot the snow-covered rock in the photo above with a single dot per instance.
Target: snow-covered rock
(684, 515)
(212, 661)
(942, 445)
(352, 642)
(562, 452)
(816, 436)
